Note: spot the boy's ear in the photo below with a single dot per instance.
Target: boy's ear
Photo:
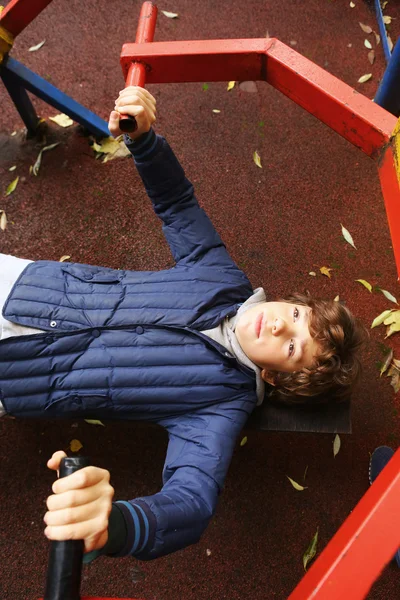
(268, 376)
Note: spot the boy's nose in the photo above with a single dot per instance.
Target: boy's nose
(278, 326)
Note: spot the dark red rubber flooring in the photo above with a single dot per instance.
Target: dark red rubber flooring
(279, 223)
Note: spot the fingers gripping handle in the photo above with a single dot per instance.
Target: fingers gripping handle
(137, 71)
(65, 560)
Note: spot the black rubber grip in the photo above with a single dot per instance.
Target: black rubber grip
(65, 560)
(127, 124)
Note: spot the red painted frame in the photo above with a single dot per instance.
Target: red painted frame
(19, 13)
(362, 547)
(356, 118)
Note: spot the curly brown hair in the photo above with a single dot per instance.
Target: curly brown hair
(336, 368)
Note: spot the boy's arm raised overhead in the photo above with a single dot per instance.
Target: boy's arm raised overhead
(188, 230)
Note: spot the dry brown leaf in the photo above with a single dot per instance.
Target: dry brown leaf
(377, 38)
(390, 43)
(248, 86)
(386, 19)
(371, 57)
(394, 373)
(75, 445)
(365, 78)
(386, 364)
(365, 28)
(3, 220)
(64, 257)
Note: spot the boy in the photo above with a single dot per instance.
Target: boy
(189, 348)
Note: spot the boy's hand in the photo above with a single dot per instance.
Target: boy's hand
(138, 103)
(80, 506)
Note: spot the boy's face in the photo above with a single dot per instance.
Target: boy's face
(275, 336)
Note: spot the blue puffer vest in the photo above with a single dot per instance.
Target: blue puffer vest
(128, 345)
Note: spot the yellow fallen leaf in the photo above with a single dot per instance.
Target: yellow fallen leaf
(371, 57)
(326, 271)
(94, 422)
(393, 328)
(394, 317)
(389, 296)
(215, 110)
(352, 5)
(170, 15)
(11, 187)
(12, 168)
(311, 551)
(380, 318)
(75, 446)
(257, 160)
(377, 38)
(365, 78)
(208, 552)
(64, 257)
(390, 43)
(365, 284)
(367, 44)
(37, 47)
(62, 120)
(296, 485)
(3, 220)
(13, 133)
(244, 441)
(336, 445)
(386, 19)
(112, 148)
(336, 299)
(347, 236)
(231, 85)
(35, 168)
(312, 273)
(365, 28)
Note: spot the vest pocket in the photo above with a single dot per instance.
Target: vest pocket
(80, 404)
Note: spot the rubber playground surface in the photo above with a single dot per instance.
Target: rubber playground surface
(280, 222)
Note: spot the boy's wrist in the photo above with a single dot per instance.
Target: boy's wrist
(132, 138)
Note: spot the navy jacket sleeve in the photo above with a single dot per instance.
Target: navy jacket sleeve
(188, 230)
(199, 453)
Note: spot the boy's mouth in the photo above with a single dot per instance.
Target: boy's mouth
(258, 324)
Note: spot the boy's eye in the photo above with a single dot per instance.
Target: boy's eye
(296, 313)
(291, 348)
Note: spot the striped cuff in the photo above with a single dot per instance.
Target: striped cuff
(143, 146)
(141, 526)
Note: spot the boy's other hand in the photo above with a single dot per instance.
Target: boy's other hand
(137, 102)
(80, 506)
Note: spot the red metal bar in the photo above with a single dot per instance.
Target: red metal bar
(144, 34)
(19, 13)
(364, 544)
(136, 74)
(352, 115)
(388, 168)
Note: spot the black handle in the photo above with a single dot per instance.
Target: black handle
(65, 559)
(127, 124)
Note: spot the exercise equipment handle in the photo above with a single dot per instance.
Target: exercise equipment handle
(65, 559)
(137, 70)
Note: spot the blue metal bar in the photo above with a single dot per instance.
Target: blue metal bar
(388, 94)
(382, 30)
(24, 77)
(22, 102)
